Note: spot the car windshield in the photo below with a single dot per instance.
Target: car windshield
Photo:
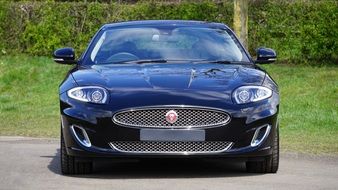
(165, 44)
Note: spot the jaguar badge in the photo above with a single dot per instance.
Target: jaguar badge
(171, 116)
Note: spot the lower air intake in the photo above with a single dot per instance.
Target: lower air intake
(171, 147)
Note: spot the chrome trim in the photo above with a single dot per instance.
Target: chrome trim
(111, 144)
(85, 142)
(173, 107)
(267, 131)
(58, 59)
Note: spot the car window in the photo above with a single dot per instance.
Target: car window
(180, 43)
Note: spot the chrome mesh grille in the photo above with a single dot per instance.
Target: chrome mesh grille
(186, 118)
(170, 146)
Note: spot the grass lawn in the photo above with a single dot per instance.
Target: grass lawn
(308, 113)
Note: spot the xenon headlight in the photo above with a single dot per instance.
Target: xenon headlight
(93, 94)
(247, 94)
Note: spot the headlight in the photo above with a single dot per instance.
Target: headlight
(247, 94)
(92, 94)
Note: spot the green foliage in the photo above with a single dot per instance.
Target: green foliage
(301, 31)
(41, 27)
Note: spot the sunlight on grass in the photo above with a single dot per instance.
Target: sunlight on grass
(308, 113)
(29, 96)
(309, 106)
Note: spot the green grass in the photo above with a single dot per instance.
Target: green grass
(308, 114)
(309, 107)
(29, 96)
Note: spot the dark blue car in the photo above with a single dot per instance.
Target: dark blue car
(158, 89)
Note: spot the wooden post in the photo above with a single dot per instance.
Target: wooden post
(241, 20)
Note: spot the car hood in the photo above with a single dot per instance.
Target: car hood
(199, 81)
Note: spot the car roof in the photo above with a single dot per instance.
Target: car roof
(166, 22)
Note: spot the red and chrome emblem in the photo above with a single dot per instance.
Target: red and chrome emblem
(171, 116)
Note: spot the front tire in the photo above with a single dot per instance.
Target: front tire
(70, 165)
(270, 163)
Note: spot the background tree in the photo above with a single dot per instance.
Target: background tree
(241, 20)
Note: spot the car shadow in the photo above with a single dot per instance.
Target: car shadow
(158, 168)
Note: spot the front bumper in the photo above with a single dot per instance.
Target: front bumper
(101, 130)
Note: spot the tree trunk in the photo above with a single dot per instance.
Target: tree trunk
(241, 20)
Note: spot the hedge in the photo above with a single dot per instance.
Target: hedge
(300, 30)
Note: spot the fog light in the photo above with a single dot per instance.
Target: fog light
(260, 134)
(81, 135)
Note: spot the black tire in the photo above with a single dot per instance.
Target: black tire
(270, 163)
(70, 165)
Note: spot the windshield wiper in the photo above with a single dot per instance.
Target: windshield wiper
(140, 61)
(161, 60)
(222, 62)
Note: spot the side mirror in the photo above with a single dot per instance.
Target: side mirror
(265, 55)
(64, 56)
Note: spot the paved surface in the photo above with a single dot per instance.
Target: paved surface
(27, 163)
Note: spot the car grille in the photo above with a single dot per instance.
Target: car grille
(186, 118)
(170, 146)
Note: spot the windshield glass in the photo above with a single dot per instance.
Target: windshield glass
(166, 43)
